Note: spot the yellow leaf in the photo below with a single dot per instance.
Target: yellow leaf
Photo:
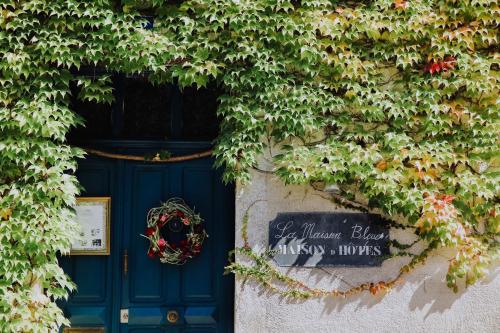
(350, 94)
(5, 213)
(382, 165)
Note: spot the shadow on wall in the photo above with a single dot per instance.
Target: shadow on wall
(421, 296)
(427, 286)
(433, 293)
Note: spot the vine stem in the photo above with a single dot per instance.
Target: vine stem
(262, 271)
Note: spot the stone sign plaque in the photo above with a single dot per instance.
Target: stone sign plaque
(328, 239)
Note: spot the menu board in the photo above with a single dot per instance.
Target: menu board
(93, 215)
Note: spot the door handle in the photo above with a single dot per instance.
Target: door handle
(172, 316)
(125, 262)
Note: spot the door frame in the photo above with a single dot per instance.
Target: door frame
(140, 148)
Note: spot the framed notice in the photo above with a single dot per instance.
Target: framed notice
(93, 216)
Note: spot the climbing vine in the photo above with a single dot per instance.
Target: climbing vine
(392, 100)
(263, 270)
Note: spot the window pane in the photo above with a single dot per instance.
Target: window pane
(146, 110)
(199, 117)
(97, 118)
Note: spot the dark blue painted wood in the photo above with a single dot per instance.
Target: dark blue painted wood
(176, 113)
(198, 291)
(91, 304)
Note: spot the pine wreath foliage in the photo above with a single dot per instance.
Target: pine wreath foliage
(392, 99)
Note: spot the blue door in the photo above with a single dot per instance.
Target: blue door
(127, 291)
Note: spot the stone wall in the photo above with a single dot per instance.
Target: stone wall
(421, 303)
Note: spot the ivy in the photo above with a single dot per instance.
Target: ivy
(395, 101)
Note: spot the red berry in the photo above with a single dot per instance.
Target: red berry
(162, 244)
(197, 249)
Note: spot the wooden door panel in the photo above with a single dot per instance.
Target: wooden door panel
(91, 303)
(198, 278)
(81, 315)
(200, 330)
(91, 282)
(146, 276)
(146, 330)
(190, 289)
(196, 290)
(146, 316)
(201, 315)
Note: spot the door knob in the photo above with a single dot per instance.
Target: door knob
(172, 316)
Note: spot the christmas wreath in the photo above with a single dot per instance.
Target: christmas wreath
(175, 232)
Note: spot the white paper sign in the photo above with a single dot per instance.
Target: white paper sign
(92, 214)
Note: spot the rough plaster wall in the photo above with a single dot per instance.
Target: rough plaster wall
(421, 303)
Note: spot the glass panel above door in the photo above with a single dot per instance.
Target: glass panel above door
(199, 113)
(96, 116)
(145, 111)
